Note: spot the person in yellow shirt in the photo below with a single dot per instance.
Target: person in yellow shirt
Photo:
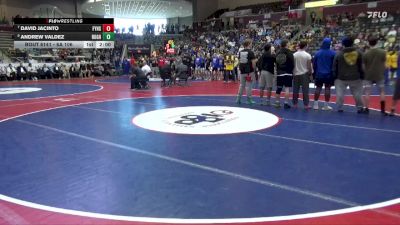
(229, 67)
(391, 62)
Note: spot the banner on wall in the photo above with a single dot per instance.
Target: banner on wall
(372, 5)
(136, 50)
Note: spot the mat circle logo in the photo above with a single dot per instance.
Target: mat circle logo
(18, 90)
(206, 120)
(211, 117)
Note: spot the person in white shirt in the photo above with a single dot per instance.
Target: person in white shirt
(65, 70)
(146, 69)
(3, 73)
(31, 72)
(11, 72)
(301, 74)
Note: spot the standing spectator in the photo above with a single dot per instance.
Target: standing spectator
(117, 64)
(374, 65)
(126, 66)
(267, 64)
(301, 74)
(166, 74)
(215, 67)
(198, 63)
(323, 61)
(285, 66)
(391, 63)
(396, 96)
(229, 67)
(347, 69)
(154, 66)
(247, 64)
(182, 71)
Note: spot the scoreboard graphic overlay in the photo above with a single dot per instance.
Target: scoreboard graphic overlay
(64, 33)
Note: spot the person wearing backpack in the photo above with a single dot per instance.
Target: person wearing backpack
(284, 67)
(347, 71)
(267, 68)
(247, 65)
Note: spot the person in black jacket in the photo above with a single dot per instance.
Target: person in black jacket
(247, 66)
(58, 73)
(138, 78)
(166, 74)
(181, 71)
(284, 67)
(21, 72)
(267, 68)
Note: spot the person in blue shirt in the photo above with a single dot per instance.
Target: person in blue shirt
(199, 61)
(126, 66)
(215, 67)
(322, 75)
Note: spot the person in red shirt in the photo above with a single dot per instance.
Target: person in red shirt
(161, 62)
(133, 61)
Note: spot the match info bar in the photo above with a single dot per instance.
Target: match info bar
(81, 36)
(64, 33)
(64, 28)
(63, 44)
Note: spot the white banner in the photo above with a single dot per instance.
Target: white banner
(243, 12)
(372, 4)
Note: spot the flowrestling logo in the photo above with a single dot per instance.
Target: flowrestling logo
(18, 90)
(205, 120)
(377, 14)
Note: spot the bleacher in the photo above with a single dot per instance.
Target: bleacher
(217, 13)
(6, 40)
(271, 7)
(359, 28)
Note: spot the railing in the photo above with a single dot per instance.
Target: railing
(124, 52)
(5, 27)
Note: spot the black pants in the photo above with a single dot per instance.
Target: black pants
(58, 74)
(164, 78)
(303, 81)
(21, 76)
(138, 82)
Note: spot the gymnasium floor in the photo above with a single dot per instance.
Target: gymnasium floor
(94, 152)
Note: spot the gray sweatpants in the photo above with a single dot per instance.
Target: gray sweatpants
(303, 81)
(356, 90)
(246, 84)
